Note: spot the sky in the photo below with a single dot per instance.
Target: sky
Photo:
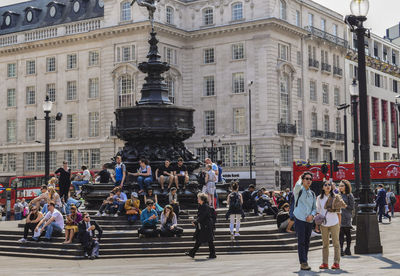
(382, 14)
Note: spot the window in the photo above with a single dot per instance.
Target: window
(375, 121)
(11, 131)
(237, 156)
(11, 70)
(71, 126)
(209, 122)
(286, 155)
(30, 95)
(310, 20)
(313, 91)
(125, 91)
(323, 24)
(51, 91)
(334, 30)
(30, 67)
(71, 90)
(339, 155)
(298, 19)
(377, 80)
(95, 158)
(237, 51)
(169, 15)
(94, 124)
(29, 161)
(70, 157)
(209, 86)
(125, 11)
(336, 96)
(239, 120)
(299, 88)
(312, 155)
(395, 86)
(300, 122)
(7, 162)
(52, 127)
(170, 55)
(201, 153)
(39, 161)
(208, 16)
(237, 11)
(125, 53)
(30, 129)
(93, 88)
(326, 123)
(50, 64)
(314, 121)
(338, 125)
(209, 56)
(385, 125)
(285, 101)
(71, 61)
(377, 156)
(238, 83)
(326, 155)
(299, 59)
(282, 9)
(171, 89)
(11, 97)
(283, 51)
(325, 94)
(94, 58)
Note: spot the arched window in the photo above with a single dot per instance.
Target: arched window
(169, 15)
(285, 104)
(282, 9)
(126, 11)
(125, 91)
(237, 11)
(208, 16)
(171, 89)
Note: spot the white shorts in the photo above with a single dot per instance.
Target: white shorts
(209, 188)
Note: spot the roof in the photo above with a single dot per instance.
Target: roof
(41, 14)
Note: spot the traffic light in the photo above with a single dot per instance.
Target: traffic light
(335, 165)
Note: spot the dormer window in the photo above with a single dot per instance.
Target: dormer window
(53, 11)
(101, 3)
(29, 16)
(77, 6)
(7, 20)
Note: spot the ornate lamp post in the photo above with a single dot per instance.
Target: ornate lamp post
(47, 105)
(368, 238)
(213, 150)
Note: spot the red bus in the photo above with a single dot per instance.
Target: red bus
(384, 172)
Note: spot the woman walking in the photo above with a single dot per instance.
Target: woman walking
(328, 206)
(235, 211)
(347, 214)
(204, 227)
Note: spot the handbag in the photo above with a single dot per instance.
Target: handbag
(320, 219)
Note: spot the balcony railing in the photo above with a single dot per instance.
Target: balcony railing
(337, 71)
(339, 136)
(329, 135)
(326, 67)
(327, 36)
(312, 63)
(317, 133)
(284, 128)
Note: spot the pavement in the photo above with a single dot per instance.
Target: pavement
(278, 264)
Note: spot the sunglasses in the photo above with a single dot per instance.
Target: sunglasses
(87, 217)
(326, 185)
(308, 178)
(341, 186)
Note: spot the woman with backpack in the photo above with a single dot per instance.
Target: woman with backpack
(235, 211)
(347, 214)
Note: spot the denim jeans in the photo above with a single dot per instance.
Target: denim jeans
(18, 216)
(71, 201)
(51, 228)
(303, 231)
(78, 184)
(381, 209)
(132, 218)
(144, 180)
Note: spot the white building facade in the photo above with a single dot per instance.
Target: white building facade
(293, 51)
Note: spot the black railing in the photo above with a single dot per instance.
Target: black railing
(327, 36)
(313, 63)
(329, 135)
(340, 136)
(287, 128)
(325, 67)
(317, 133)
(337, 71)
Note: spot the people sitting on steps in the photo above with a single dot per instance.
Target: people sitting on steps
(173, 201)
(31, 222)
(43, 198)
(249, 199)
(165, 174)
(119, 200)
(149, 219)
(132, 208)
(106, 205)
(169, 223)
(181, 174)
(52, 196)
(144, 175)
(80, 180)
(87, 236)
(52, 222)
(72, 221)
(103, 175)
(150, 195)
(283, 218)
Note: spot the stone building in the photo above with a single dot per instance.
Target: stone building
(84, 55)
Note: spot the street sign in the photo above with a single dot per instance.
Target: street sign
(2, 188)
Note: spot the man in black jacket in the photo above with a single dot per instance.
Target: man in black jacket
(249, 199)
(88, 238)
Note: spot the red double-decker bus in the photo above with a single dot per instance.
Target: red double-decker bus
(384, 172)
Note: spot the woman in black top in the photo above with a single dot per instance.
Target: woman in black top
(204, 227)
(64, 180)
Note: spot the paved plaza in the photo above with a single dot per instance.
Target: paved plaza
(259, 264)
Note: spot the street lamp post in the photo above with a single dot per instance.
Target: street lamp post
(368, 238)
(47, 105)
(356, 153)
(250, 138)
(213, 151)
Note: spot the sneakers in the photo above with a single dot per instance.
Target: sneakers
(188, 253)
(347, 251)
(335, 266)
(341, 252)
(116, 215)
(22, 240)
(305, 266)
(104, 214)
(237, 234)
(98, 214)
(232, 236)
(315, 234)
(390, 219)
(324, 266)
